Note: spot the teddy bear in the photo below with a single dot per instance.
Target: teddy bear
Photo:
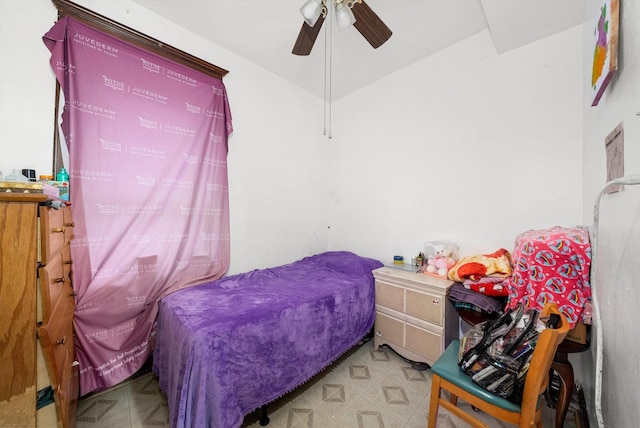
(440, 262)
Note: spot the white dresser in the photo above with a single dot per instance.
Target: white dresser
(413, 314)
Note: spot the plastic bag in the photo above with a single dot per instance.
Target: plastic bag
(496, 353)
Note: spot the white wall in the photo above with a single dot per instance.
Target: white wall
(618, 238)
(277, 162)
(466, 145)
(27, 87)
(477, 148)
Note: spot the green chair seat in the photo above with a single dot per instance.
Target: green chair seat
(447, 368)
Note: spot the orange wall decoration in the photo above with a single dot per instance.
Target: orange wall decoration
(605, 51)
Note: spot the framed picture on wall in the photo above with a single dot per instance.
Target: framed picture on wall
(605, 49)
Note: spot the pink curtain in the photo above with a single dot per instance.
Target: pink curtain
(147, 140)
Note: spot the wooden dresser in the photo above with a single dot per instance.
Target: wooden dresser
(18, 264)
(413, 314)
(23, 244)
(55, 330)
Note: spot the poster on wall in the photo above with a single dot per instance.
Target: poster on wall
(614, 146)
(605, 50)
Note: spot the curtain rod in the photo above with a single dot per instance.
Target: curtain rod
(68, 8)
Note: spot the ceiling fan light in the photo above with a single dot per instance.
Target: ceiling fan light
(311, 11)
(344, 16)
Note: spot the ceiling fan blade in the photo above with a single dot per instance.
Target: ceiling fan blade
(370, 25)
(307, 37)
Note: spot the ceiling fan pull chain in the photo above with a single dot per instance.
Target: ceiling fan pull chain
(330, 31)
(326, 35)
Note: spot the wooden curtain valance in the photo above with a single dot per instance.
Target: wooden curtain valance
(129, 35)
(102, 23)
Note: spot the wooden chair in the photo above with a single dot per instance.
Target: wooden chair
(448, 376)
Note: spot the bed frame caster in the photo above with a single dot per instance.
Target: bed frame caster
(264, 419)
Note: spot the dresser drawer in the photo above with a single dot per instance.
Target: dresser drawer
(423, 342)
(64, 374)
(390, 296)
(57, 345)
(68, 391)
(425, 306)
(389, 328)
(52, 236)
(55, 287)
(67, 224)
(65, 255)
(60, 323)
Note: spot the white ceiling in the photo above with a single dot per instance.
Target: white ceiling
(264, 32)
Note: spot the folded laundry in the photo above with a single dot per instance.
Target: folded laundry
(491, 285)
(476, 266)
(465, 298)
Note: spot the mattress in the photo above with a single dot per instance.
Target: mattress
(227, 347)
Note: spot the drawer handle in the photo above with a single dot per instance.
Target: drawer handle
(62, 341)
(58, 280)
(73, 294)
(68, 262)
(57, 230)
(72, 224)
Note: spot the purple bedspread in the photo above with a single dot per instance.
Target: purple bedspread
(230, 346)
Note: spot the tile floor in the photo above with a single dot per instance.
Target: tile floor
(363, 389)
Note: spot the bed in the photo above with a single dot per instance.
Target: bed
(228, 347)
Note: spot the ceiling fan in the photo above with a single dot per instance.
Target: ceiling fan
(348, 12)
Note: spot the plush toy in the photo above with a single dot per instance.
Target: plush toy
(440, 262)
